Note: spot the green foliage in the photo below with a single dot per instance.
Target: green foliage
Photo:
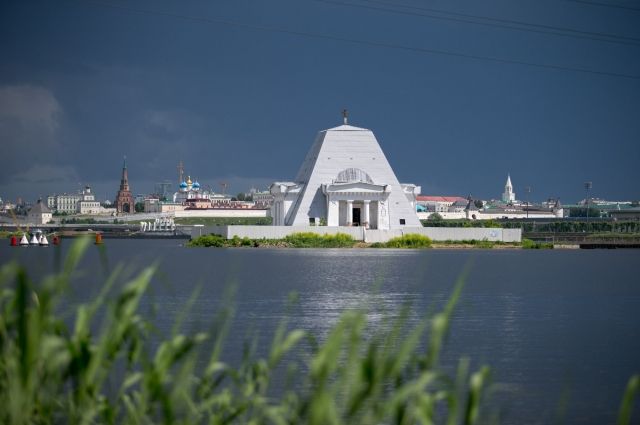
(208, 240)
(139, 207)
(295, 240)
(405, 241)
(492, 224)
(110, 368)
(434, 217)
(226, 221)
(560, 226)
(314, 240)
(6, 234)
(237, 241)
(476, 243)
(484, 243)
(630, 394)
(529, 244)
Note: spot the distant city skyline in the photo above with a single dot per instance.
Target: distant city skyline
(237, 90)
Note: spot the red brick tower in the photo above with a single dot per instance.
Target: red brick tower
(124, 199)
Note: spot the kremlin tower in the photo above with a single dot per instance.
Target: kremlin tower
(124, 199)
(508, 196)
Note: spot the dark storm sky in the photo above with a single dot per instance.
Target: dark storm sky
(83, 83)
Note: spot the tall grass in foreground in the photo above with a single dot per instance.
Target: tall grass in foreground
(53, 373)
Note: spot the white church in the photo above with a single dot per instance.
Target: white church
(345, 180)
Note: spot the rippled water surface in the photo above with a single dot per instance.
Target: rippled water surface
(560, 329)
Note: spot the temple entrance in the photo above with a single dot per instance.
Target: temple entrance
(126, 208)
(356, 217)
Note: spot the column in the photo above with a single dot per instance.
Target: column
(350, 213)
(365, 214)
(333, 213)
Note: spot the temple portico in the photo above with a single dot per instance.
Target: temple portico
(357, 206)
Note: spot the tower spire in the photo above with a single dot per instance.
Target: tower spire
(345, 115)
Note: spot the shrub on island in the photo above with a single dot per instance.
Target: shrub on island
(294, 240)
(529, 244)
(405, 241)
(314, 240)
(208, 240)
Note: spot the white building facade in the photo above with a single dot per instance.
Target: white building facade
(345, 180)
(64, 203)
(88, 204)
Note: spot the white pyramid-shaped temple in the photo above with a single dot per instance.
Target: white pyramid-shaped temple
(345, 180)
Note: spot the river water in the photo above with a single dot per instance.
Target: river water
(560, 329)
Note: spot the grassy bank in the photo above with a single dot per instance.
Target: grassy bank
(341, 240)
(295, 240)
(405, 241)
(310, 240)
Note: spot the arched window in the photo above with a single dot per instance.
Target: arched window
(353, 175)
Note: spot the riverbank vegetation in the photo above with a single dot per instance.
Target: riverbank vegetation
(532, 226)
(295, 240)
(529, 244)
(341, 240)
(405, 241)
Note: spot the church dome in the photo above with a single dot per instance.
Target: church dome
(196, 185)
(353, 175)
(183, 185)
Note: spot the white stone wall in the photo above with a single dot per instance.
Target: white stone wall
(444, 214)
(221, 213)
(278, 232)
(361, 234)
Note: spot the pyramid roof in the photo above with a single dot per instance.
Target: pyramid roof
(336, 150)
(39, 208)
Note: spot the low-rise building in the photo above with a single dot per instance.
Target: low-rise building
(88, 204)
(438, 204)
(65, 203)
(39, 214)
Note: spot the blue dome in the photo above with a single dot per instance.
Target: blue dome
(183, 185)
(196, 185)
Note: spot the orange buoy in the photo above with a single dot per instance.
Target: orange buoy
(56, 240)
(98, 238)
(14, 240)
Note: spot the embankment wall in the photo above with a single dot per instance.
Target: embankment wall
(361, 234)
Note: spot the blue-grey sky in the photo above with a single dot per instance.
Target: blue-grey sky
(83, 83)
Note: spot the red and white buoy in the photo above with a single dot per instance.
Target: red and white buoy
(44, 241)
(24, 241)
(34, 240)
